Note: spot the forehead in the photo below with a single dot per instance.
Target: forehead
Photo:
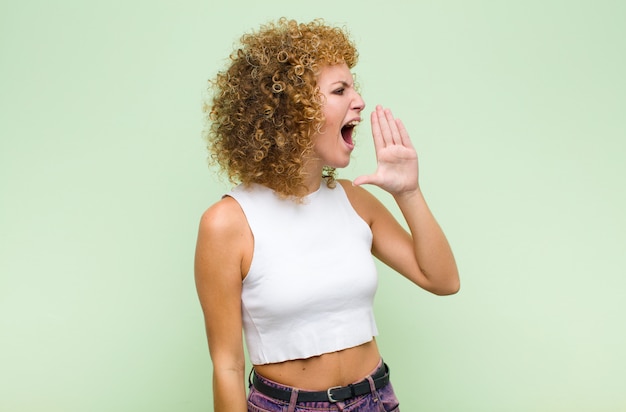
(336, 73)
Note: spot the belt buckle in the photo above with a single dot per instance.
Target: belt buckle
(331, 399)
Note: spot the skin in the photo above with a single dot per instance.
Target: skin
(225, 246)
(342, 104)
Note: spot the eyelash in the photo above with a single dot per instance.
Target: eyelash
(339, 91)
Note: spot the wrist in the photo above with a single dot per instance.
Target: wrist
(408, 195)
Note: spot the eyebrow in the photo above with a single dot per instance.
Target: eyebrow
(341, 82)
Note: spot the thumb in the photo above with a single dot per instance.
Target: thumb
(363, 180)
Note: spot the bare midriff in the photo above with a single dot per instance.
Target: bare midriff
(325, 371)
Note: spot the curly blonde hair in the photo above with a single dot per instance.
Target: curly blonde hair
(266, 104)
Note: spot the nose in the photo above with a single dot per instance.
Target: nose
(358, 103)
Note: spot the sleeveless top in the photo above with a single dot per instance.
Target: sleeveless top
(312, 280)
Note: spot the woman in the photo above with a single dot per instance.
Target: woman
(287, 254)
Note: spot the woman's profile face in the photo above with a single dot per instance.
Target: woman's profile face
(341, 108)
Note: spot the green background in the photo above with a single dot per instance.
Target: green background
(517, 110)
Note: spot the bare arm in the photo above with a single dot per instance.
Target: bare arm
(424, 255)
(223, 237)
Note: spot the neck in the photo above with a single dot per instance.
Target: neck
(313, 178)
(312, 184)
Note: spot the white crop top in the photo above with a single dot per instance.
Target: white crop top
(312, 280)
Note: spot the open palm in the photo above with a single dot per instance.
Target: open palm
(397, 169)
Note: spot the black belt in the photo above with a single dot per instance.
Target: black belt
(334, 394)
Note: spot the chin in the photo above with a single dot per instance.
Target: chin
(340, 165)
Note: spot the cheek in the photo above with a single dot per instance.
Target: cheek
(330, 112)
(333, 122)
(329, 128)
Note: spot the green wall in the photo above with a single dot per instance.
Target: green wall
(517, 110)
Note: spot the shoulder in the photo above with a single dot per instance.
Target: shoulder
(225, 242)
(354, 191)
(363, 202)
(224, 218)
(358, 194)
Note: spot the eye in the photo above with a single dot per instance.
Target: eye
(339, 91)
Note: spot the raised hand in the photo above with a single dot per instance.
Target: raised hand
(397, 168)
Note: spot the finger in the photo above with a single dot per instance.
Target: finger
(393, 127)
(365, 180)
(376, 132)
(404, 135)
(386, 133)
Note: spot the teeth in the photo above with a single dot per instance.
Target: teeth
(353, 123)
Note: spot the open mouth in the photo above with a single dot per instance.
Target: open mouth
(347, 131)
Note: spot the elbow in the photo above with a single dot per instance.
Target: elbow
(441, 283)
(448, 290)
(451, 286)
